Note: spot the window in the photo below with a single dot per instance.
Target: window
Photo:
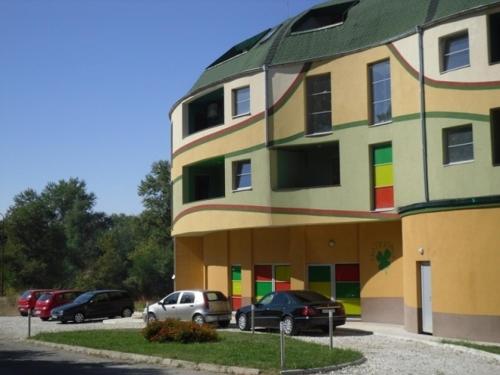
(494, 37)
(187, 297)
(323, 16)
(203, 180)
(206, 111)
(383, 179)
(455, 52)
(458, 144)
(380, 85)
(270, 278)
(236, 287)
(319, 104)
(242, 175)
(495, 135)
(171, 299)
(241, 101)
(308, 166)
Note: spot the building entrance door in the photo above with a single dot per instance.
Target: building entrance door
(426, 297)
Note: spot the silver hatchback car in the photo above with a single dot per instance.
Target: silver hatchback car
(200, 306)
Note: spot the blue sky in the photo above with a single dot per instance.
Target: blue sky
(86, 85)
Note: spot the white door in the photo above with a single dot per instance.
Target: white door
(426, 297)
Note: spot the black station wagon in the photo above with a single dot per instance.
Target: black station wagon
(94, 305)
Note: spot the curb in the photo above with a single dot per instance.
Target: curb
(139, 358)
(320, 370)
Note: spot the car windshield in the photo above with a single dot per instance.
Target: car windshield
(45, 297)
(26, 294)
(215, 296)
(309, 296)
(85, 297)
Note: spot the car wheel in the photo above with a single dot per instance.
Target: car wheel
(152, 317)
(243, 322)
(44, 319)
(79, 318)
(127, 312)
(23, 313)
(199, 319)
(289, 326)
(224, 323)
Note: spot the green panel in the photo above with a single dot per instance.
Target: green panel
(324, 288)
(282, 273)
(319, 273)
(352, 305)
(347, 290)
(236, 273)
(262, 288)
(382, 155)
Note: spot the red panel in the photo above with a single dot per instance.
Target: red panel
(264, 273)
(282, 286)
(347, 272)
(384, 197)
(236, 302)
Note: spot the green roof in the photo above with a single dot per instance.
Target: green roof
(368, 23)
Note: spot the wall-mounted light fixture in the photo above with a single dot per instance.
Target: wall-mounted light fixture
(421, 250)
(331, 243)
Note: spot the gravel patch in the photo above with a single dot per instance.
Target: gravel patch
(390, 355)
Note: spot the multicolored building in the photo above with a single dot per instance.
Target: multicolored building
(354, 149)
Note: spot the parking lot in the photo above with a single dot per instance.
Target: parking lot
(388, 349)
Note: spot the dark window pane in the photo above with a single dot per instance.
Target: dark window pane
(319, 104)
(461, 153)
(244, 181)
(456, 52)
(494, 35)
(380, 74)
(243, 167)
(242, 101)
(187, 298)
(459, 136)
(459, 144)
(495, 135)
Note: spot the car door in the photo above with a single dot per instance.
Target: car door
(167, 306)
(276, 309)
(185, 308)
(262, 316)
(98, 306)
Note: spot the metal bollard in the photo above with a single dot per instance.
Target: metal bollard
(29, 323)
(282, 346)
(252, 318)
(330, 327)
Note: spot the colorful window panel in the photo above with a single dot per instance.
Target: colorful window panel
(383, 181)
(236, 287)
(320, 279)
(347, 287)
(269, 278)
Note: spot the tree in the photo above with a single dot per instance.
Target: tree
(151, 261)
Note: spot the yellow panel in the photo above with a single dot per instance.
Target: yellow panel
(383, 175)
(324, 288)
(282, 273)
(237, 288)
(352, 306)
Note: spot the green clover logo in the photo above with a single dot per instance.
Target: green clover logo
(384, 259)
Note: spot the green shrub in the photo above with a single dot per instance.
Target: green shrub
(173, 330)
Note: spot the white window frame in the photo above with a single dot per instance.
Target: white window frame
(372, 101)
(442, 53)
(236, 175)
(446, 145)
(236, 102)
(313, 132)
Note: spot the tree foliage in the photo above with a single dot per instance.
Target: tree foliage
(55, 239)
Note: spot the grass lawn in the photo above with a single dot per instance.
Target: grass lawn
(233, 349)
(486, 348)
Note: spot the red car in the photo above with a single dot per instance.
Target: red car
(47, 301)
(28, 299)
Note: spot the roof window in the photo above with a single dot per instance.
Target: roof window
(240, 48)
(323, 17)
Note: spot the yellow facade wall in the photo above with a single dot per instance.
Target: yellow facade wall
(463, 248)
(189, 266)
(215, 257)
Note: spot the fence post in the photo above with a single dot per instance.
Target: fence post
(252, 318)
(330, 327)
(282, 346)
(147, 313)
(29, 322)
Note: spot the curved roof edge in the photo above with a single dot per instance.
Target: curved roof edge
(365, 27)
